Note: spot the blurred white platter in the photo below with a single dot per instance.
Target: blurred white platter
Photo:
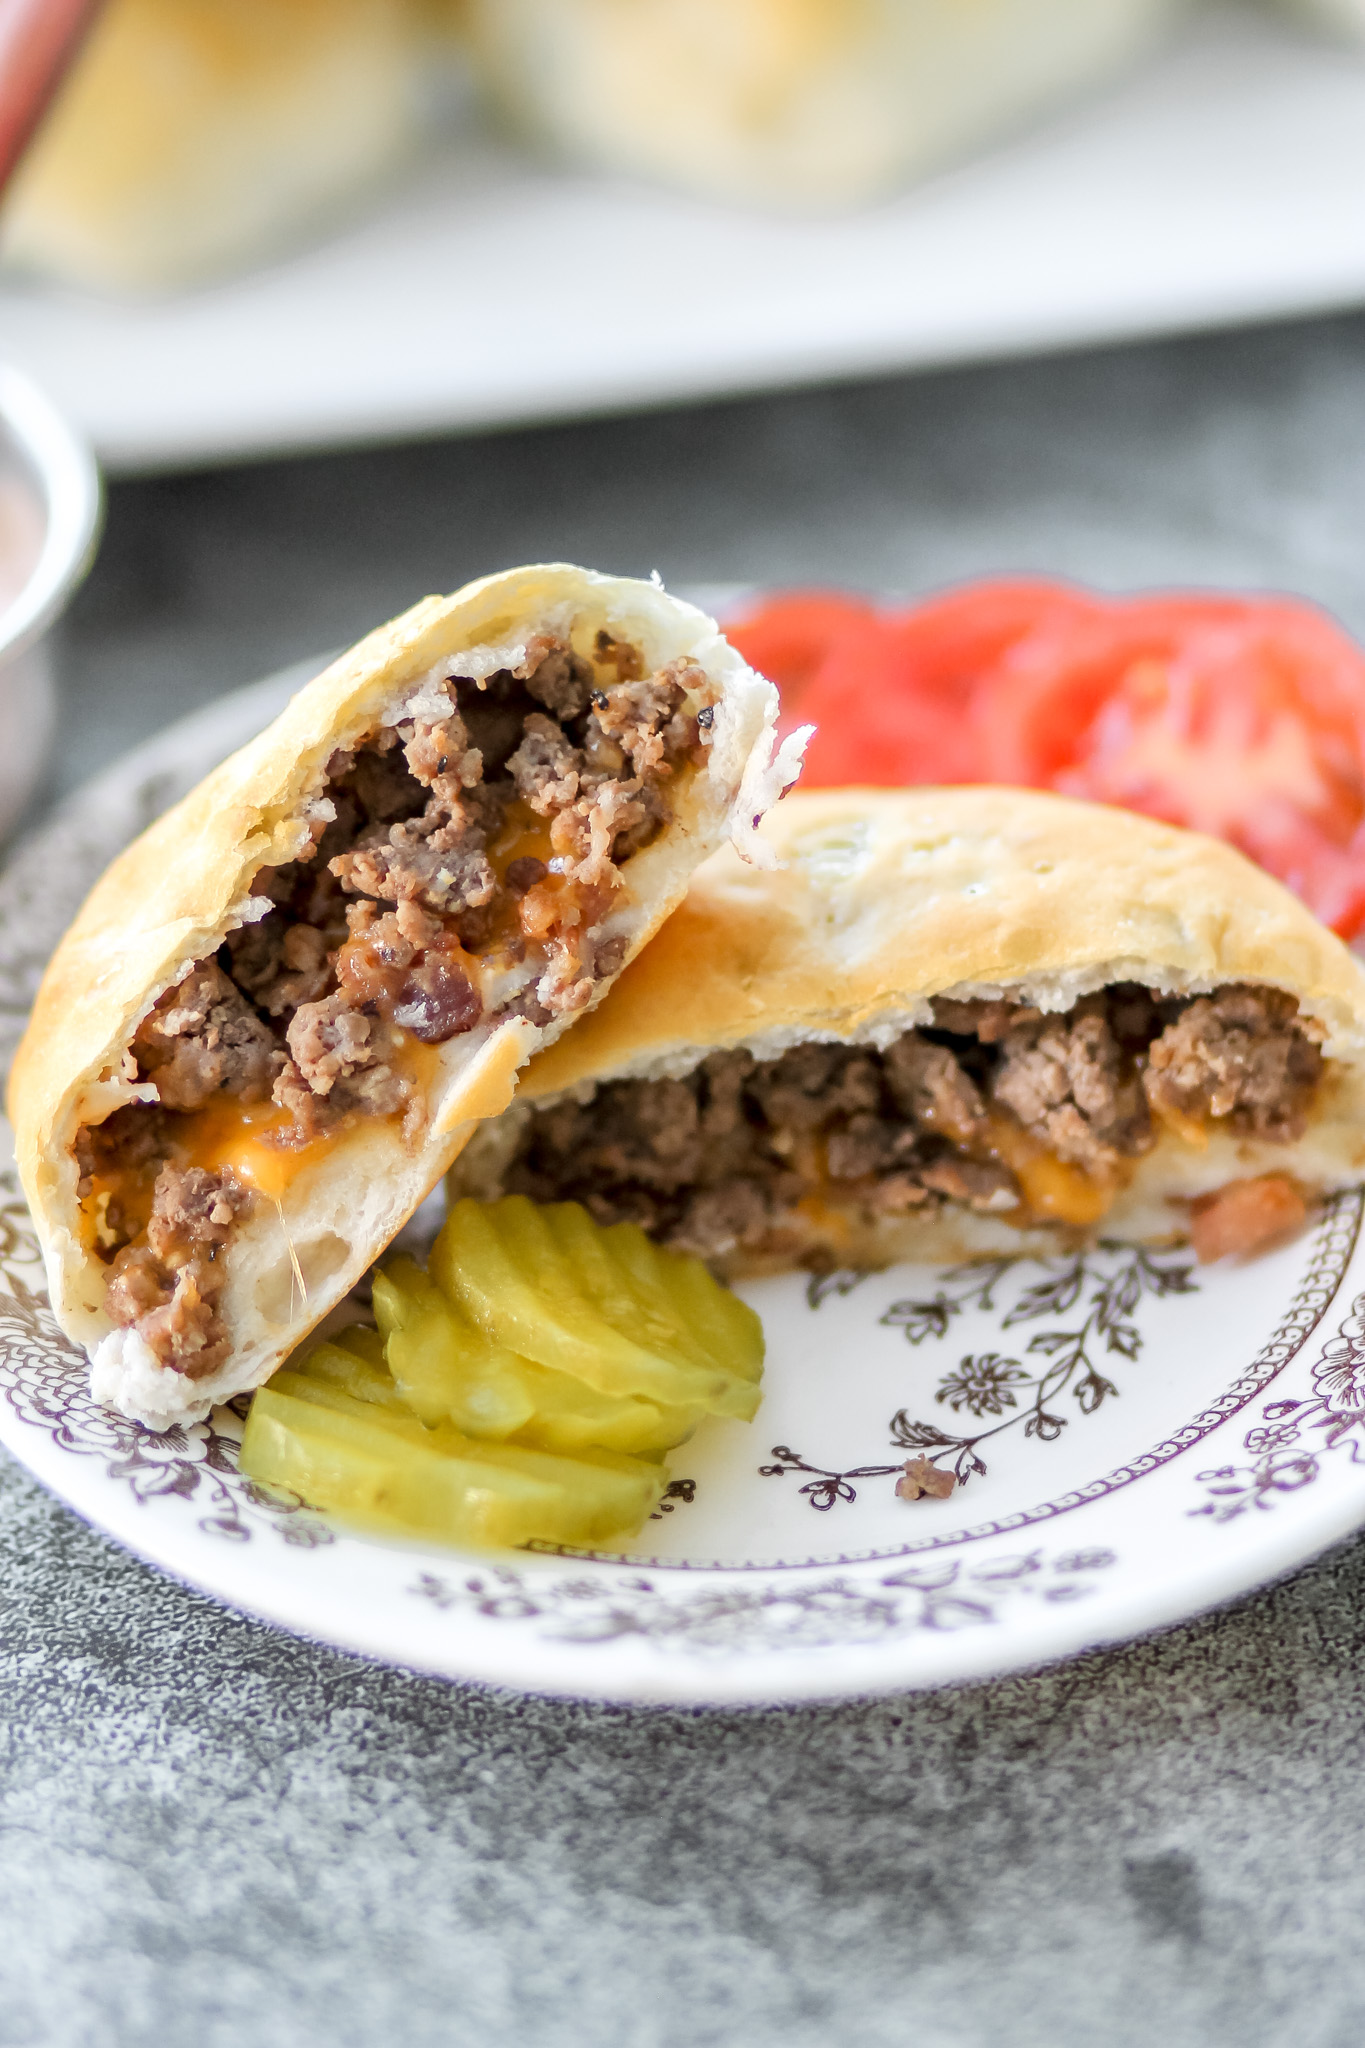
(1142, 1438)
(1222, 182)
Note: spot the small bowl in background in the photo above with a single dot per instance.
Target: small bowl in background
(50, 506)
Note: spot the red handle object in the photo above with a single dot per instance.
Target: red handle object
(38, 40)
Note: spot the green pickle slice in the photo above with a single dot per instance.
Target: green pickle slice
(522, 1389)
(332, 1364)
(394, 1475)
(363, 1341)
(504, 1263)
(446, 1369)
(443, 1365)
(571, 1416)
(714, 1322)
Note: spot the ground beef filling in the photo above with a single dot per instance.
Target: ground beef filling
(482, 833)
(169, 1285)
(954, 1113)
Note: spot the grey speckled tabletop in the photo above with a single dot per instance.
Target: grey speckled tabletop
(210, 1833)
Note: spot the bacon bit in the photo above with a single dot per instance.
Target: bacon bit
(921, 1479)
(1246, 1216)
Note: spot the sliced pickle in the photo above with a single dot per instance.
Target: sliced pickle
(572, 1416)
(717, 1321)
(522, 1390)
(365, 1342)
(347, 1391)
(576, 1315)
(328, 1364)
(443, 1365)
(668, 1299)
(303, 1391)
(446, 1369)
(501, 1262)
(634, 1309)
(390, 1473)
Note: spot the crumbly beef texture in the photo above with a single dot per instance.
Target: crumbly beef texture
(1067, 1079)
(204, 1036)
(1242, 1054)
(369, 936)
(406, 877)
(168, 1288)
(717, 1160)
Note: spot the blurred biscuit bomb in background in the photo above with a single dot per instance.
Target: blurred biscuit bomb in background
(194, 135)
(193, 138)
(799, 102)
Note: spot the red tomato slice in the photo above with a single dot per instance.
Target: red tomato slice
(788, 638)
(891, 694)
(1241, 718)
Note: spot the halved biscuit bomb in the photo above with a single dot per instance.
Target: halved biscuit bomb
(263, 1040)
(955, 1023)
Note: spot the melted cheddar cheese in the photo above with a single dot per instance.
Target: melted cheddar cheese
(1053, 1189)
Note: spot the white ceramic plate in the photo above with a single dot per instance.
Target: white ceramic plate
(1142, 1439)
(1220, 182)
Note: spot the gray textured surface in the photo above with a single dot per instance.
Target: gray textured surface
(212, 1834)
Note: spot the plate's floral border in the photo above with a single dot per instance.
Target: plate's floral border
(757, 1619)
(1331, 1248)
(43, 1383)
(1293, 1436)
